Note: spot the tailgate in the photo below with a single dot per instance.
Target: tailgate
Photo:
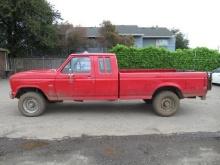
(209, 75)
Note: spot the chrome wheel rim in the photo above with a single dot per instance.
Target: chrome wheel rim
(168, 104)
(30, 105)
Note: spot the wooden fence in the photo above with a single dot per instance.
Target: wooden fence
(23, 64)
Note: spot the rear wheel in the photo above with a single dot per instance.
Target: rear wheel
(166, 103)
(31, 104)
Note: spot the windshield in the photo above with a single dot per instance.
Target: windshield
(216, 70)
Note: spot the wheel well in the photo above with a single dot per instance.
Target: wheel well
(24, 90)
(176, 90)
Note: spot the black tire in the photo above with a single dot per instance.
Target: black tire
(166, 103)
(31, 104)
(147, 101)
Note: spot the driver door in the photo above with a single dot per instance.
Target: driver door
(76, 81)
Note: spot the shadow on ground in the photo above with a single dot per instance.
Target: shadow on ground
(99, 107)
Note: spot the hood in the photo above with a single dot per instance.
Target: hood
(33, 74)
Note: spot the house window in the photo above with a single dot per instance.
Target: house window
(162, 43)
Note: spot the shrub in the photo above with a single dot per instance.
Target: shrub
(203, 59)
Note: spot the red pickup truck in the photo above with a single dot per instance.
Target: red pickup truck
(95, 76)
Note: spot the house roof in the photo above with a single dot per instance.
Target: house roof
(134, 30)
(92, 31)
(156, 32)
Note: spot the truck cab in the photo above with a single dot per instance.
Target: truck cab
(88, 77)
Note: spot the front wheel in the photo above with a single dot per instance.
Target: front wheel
(166, 103)
(31, 104)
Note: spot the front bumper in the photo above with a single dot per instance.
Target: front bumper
(11, 95)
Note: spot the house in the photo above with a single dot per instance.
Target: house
(143, 36)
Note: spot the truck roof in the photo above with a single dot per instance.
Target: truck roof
(92, 54)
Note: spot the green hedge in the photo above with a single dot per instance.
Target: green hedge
(151, 57)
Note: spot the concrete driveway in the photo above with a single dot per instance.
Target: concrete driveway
(71, 119)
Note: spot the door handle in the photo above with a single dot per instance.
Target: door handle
(90, 77)
(70, 75)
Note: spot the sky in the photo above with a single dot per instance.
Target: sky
(199, 20)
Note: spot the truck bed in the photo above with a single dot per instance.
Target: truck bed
(136, 83)
(146, 70)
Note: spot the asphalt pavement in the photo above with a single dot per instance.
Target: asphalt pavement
(74, 119)
(177, 149)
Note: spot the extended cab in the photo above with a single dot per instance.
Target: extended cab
(96, 76)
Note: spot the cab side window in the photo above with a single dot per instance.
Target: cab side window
(101, 65)
(78, 65)
(104, 65)
(108, 65)
(67, 68)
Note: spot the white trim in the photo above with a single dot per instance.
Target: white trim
(157, 36)
(141, 35)
(145, 36)
(131, 34)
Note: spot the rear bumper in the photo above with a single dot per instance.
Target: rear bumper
(203, 97)
(209, 75)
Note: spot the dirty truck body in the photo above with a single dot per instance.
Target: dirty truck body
(96, 76)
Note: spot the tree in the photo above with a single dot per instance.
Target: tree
(27, 24)
(70, 38)
(127, 40)
(181, 41)
(109, 37)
